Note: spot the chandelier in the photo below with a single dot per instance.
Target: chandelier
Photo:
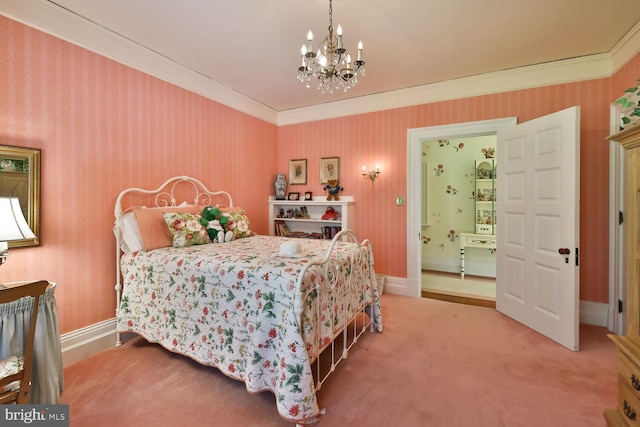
(331, 64)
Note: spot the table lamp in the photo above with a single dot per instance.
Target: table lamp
(13, 226)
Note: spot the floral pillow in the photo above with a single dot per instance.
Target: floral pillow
(186, 229)
(153, 228)
(238, 224)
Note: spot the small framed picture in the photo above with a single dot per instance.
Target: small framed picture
(308, 195)
(294, 196)
(298, 171)
(329, 169)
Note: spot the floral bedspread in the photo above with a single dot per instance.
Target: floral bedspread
(233, 306)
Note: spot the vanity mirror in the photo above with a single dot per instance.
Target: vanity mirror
(20, 177)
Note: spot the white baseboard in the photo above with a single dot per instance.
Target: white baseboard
(82, 343)
(396, 285)
(594, 313)
(473, 267)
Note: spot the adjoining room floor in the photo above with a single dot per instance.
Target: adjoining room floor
(473, 290)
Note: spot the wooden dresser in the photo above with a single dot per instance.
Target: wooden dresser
(627, 411)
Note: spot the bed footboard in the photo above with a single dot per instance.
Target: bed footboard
(352, 283)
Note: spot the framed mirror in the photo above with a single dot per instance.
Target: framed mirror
(20, 177)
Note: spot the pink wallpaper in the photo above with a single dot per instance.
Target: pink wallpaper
(103, 127)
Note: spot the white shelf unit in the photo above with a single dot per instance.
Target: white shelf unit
(485, 196)
(315, 209)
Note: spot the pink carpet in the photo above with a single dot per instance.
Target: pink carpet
(436, 364)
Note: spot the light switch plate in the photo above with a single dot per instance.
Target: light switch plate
(399, 201)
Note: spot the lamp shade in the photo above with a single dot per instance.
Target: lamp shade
(13, 226)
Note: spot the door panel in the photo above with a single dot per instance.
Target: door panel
(538, 214)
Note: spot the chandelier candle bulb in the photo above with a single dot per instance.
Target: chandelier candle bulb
(339, 30)
(309, 40)
(363, 169)
(377, 168)
(360, 46)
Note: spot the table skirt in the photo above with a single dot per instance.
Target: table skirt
(47, 379)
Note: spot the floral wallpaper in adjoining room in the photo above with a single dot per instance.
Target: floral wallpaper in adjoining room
(449, 165)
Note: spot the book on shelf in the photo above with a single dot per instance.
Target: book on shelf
(299, 234)
(329, 232)
(282, 229)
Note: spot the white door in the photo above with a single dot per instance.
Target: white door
(537, 273)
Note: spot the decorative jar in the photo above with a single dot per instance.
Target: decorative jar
(281, 187)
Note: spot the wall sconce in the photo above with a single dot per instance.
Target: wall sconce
(372, 175)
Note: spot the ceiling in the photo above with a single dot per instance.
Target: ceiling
(253, 46)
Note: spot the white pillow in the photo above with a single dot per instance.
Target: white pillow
(131, 237)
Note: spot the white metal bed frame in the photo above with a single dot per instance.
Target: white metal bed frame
(355, 325)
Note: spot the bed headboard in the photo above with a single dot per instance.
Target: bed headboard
(173, 192)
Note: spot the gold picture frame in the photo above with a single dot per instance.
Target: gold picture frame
(20, 177)
(329, 169)
(298, 172)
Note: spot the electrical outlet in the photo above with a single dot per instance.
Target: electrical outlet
(399, 201)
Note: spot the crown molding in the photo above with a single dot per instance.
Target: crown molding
(625, 49)
(59, 22)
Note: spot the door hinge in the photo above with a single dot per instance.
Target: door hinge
(619, 306)
(577, 257)
(620, 217)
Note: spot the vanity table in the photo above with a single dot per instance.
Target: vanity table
(469, 240)
(47, 375)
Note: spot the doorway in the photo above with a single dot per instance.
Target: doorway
(537, 281)
(415, 181)
(458, 209)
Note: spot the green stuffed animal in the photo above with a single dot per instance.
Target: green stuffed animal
(214, 221)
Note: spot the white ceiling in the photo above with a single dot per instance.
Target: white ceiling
(253, 46)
